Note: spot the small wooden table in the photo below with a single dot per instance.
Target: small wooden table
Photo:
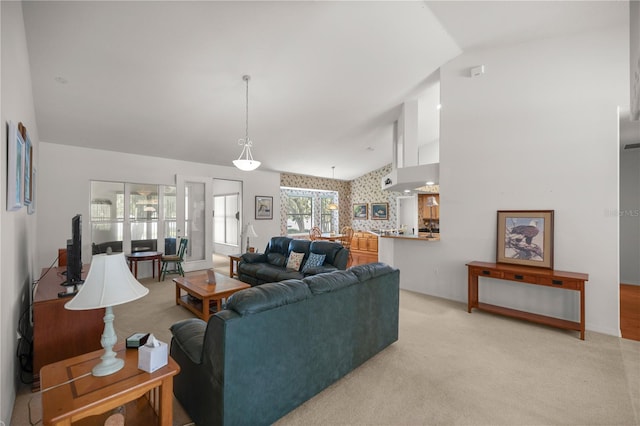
(330, 237)
(141, 256)
(69, 394)
(234, 259)
(528, 275)
(204, 293)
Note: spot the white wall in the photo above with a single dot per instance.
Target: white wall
(18, 229)
(539, 130)
(630, 216)
(65, 190)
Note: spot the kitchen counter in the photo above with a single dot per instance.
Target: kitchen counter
(422, 237)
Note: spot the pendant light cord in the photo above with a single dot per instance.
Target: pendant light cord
(246, 140)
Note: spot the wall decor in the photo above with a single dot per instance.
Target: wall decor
(264, 207)
(525, 237)
(28, 167)
(360, 211)
(380, 211)
(15, 167)
(31, 208)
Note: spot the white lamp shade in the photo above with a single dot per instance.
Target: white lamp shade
(108, 283)
(431, 202)
(251, 232)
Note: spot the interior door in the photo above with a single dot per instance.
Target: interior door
(194, 208)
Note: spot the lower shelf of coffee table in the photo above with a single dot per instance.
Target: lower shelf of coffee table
(195, 305)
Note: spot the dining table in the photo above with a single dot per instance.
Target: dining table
(330, 236)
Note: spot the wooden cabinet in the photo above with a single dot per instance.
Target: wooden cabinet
(426, 210)
(57, 332)
(364, 242)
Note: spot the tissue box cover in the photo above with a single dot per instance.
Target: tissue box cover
(152, 358)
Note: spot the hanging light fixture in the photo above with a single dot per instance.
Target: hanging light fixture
(333, 206)
(245, 161)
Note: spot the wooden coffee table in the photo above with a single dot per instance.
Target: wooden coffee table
(73, 394)
(202, 293)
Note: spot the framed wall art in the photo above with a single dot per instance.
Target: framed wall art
(264, 207)
(360, 211)
(525, 237)
(15, 168)
(28, 167)
(380, 211)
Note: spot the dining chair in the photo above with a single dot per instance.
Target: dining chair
(345, 239)
(315, 233)
(176, 259)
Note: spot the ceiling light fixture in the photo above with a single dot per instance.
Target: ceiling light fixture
(333, 206)
(247, 163)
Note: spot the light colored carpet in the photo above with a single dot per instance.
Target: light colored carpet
(450, 367)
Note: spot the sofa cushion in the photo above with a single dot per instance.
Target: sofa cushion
(189, 335)
(278, 245)
(325, 283)
(268, 296)
(295, 260)
(277, 259)
(314, 260)
(371, 270)
(299, 246)
(328, 248)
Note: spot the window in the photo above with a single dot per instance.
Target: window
(306, 208)
(225, 219)
(299, 215)
(149, 217)
(326, 215)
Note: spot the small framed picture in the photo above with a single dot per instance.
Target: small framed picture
(380, 211)
(15, 168)
(525, 237)
(264, 207)
(360, 211)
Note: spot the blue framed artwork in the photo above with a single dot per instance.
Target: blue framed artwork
(15, 168)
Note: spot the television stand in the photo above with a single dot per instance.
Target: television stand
(528, 275)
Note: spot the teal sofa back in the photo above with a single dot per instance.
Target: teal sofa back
(279, 344)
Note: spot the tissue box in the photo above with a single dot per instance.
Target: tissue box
(152, 358)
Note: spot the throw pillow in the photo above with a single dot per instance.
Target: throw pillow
(295, 260)
(314, 260)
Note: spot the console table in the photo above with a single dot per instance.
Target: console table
(528, 275)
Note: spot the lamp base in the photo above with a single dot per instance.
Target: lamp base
(108, 366)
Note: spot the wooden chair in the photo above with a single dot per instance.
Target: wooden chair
(176, 259)
(315, 233)
(345, 239)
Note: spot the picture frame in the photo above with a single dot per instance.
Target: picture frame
(28, 168)
(525, 237)
(380, 211)
(31, 208)
(15, 168)
(360, 211)
(264, 207)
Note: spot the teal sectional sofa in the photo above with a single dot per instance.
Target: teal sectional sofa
(278, 344)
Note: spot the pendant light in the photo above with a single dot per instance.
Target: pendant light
(333, 206)
(245, 161)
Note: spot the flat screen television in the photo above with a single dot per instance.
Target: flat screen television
(74, 257)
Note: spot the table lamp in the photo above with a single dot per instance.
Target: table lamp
(108, 283)
(431, 203)
(250, 233)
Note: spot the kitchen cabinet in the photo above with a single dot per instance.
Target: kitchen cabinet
(364, 242)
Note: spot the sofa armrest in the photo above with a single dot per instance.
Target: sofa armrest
(319, 270)
(189, 336)
(254, 258)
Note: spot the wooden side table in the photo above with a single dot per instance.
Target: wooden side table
(141, 256)
(233, 264)
(70, 393)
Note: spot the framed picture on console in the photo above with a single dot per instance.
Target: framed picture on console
(525, 237)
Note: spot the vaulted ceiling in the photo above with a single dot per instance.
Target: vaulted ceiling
(327, 78)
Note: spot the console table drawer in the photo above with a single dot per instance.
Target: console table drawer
(481, 272)
(514, 276)
(562, 283)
